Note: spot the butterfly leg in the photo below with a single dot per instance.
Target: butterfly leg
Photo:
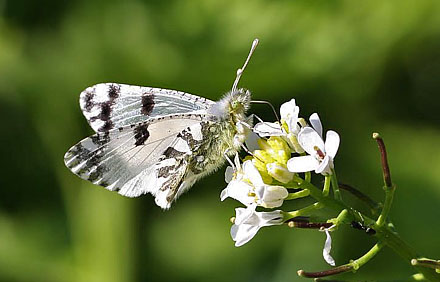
(225, 154)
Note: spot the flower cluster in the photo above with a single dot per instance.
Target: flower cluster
(270, 174)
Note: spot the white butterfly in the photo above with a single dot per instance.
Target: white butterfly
(157, 140)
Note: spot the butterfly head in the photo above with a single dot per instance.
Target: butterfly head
(232, 106)
(239, 101)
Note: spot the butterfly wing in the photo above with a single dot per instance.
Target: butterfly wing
(112, 158)
(156, 156)
(108, 106)
(189, 157)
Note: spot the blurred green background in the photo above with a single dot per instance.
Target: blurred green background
(365, 66)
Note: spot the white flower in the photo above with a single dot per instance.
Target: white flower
(248, 222)
(328, 247)
(237, 188)
(248, 187)
(321, 154)
(289, 114)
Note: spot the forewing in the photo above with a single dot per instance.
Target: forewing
(108, 106)
(117, 157)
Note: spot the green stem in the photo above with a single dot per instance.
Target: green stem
(308, 176)
(297, 195)
(303, 211)
(389, 186)
(384, 233)
(367, 257)
(335, 186)
(326, 189)
(343, 218)
(389, 196)
(351, 266)
(317, 194)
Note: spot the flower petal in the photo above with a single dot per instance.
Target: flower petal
(224, 194)
(289, 113)
(251, 141)
(288, 108)
(326, 166)
(229, 174)
(244, 214)
(238, 190)
(327, 248)
(248, 222)
(265, 129)
(331, 143)
(316, 123)
(302, 164)
(270, 218)
(243, 233)
(252, 173)
(271, 196)
(308, 138)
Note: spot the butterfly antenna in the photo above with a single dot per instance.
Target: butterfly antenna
(241, 70)
(270, 105)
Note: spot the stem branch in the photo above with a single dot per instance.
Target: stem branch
(389, 187)
(326, 189)
(384, 159)
(297, 195)
(353, 265)
(303, 211)
(335, 186)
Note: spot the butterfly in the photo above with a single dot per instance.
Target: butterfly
(158, 141)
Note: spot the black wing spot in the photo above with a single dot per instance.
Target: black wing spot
(100, 139)
(113, 91)
(98, 173)
(80, 151)
(170, 152)
(141, 134)
(165, 171)
(107, 126)
(106, 107)
(106, 110)
(147, 104)
(88, 101)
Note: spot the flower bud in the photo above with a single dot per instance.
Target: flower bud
(263, 156)
(279, 172)
(281, 151)
(272, 196)
(284, 125)
(302, 122)
(263, 144)
(293, 142)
